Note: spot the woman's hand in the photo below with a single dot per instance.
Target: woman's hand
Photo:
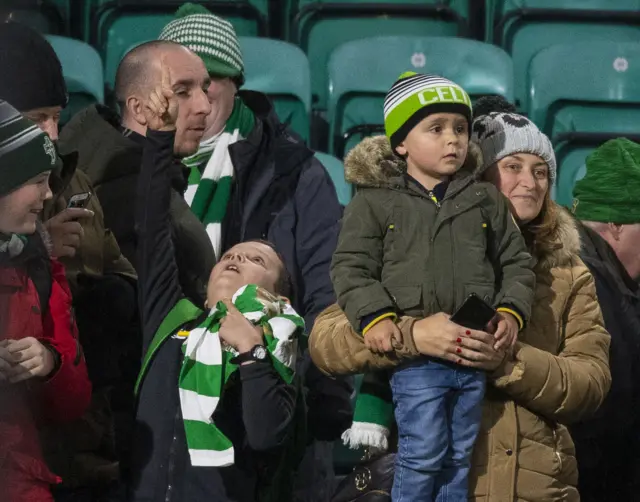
(437, 336)
(237, 331)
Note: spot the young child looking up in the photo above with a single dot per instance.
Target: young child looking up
(418, 241)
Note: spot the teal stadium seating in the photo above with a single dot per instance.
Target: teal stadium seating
(362, 71)
(281, 70)
(45, 16)
(82, 70)
(524, 27)
(581, 95)
(319, 27)
(335, 168)
(118, 25)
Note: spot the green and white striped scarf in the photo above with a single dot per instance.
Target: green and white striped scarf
(207, 367)
(210, 187)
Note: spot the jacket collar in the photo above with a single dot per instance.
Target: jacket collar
(269, 135)
(598, 252)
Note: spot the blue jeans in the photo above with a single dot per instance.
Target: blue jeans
(438, 408)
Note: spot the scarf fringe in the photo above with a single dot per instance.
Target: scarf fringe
(362, 434)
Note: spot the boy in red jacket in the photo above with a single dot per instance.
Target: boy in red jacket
(42, 371)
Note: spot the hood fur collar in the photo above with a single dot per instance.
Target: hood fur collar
(372, 163)
(566, 242)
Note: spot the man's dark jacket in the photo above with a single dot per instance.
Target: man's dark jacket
(280, 193)
(607, 445)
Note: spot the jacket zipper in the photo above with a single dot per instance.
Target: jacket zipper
(172, 454)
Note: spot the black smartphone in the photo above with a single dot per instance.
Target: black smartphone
(474, 313)
(79, 200)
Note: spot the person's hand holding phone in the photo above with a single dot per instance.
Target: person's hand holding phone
(66, 232)
(161, 108)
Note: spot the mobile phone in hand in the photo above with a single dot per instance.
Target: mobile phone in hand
(474, 313)
(79, 200)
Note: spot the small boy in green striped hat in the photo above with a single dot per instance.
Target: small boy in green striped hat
(421, 235)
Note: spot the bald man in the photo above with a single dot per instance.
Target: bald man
(110, 150)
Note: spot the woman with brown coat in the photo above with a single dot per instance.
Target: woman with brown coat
(559, 370)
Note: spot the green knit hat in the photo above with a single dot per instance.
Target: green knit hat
(25, 150)
(210, 37)
(414, 96)
(610, 191)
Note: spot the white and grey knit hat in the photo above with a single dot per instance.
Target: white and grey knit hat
(212, 38)
(500, 134)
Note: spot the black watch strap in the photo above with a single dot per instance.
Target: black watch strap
(257, 353)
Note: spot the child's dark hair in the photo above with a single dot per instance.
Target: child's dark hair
(284, 286)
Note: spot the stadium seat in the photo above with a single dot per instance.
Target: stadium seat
(82, 70)
(319, 27)
(524, 27)
(118, 25)
(335, 168)
(280, 70)
(45, 16)
(597, 98)
(362, 71)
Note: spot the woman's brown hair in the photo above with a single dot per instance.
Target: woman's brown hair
(540, 234)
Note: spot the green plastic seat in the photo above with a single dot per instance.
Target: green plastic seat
(524, 27)
(319, 27)
(118, 25)
(281, 70)
(335, 168)
(45, 16)
(361, 72)
(82, 70)
(591, 103)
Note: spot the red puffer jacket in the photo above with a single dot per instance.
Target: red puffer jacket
(24, 280)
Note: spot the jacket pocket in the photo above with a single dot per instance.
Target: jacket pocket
(408, 299)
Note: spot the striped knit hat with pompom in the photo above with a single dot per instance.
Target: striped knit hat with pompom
(414, 96)
(210, 37)
(25, 151)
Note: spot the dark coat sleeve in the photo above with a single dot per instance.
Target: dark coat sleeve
(158, 283)
(357, 263)
(318, 215)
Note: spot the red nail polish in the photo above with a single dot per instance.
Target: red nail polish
(459, 361)
(467, 332)
(459, 340)
(458, 350)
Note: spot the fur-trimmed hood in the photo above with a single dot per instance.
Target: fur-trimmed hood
(372, 163)
(566, 241)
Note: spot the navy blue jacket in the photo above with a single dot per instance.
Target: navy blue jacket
(608, 444)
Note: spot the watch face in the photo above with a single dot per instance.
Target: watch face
(259, 352)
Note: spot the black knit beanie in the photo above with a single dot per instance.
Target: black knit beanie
(25, 150)
(31, 71)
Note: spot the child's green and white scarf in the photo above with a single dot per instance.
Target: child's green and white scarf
(207, 367)
(210, 188)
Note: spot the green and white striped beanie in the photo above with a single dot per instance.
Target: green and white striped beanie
(210, 37)
(414, 96)
(25, 150)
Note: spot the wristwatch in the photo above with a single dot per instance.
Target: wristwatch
(257, 353)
